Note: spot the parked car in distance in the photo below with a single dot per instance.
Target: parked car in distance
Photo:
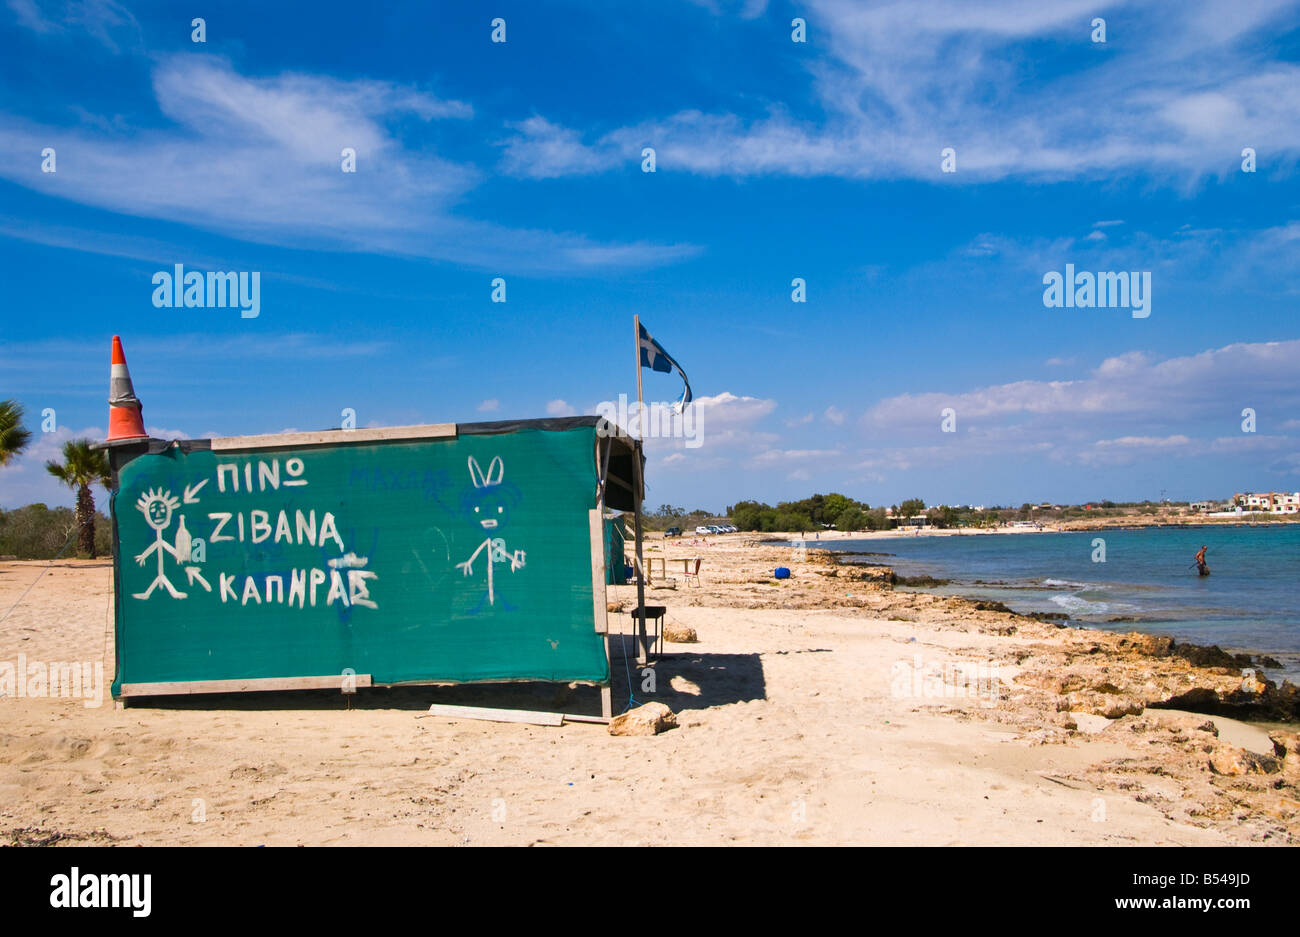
(703, 530)
(673, 532)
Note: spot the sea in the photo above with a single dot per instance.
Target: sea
(1141, 579)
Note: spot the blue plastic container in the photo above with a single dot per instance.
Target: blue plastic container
(782, 573)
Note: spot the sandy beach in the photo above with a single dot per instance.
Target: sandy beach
(828, 708)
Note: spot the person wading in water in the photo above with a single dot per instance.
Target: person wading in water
(1202, 567)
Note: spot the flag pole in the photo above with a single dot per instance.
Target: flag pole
(639, 479)
(636, 331)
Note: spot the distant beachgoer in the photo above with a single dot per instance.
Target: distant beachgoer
(1201, 566)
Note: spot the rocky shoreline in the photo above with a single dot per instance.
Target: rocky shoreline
(1130, 671)
(1230, 684)
(1057, 682)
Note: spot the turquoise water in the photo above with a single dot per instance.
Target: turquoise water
(1250, 602)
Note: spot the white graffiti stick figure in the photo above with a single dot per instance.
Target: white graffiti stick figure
(487, 503)
(157, 506)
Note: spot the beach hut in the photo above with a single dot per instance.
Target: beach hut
(446, 553)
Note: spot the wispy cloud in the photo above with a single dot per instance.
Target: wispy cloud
(25, 480)
(729, 427)
(296, 346)
(1130, 409)
(80, 368)
(1180, 407)
(542, 150)
(107, 22)
(1131, 384)
(259, 159)
(896, 82)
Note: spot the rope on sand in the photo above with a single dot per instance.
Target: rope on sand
(631, 699)
(38, 578)
(108, 607)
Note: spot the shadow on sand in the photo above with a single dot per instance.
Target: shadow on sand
(720, 679)
(703, 680)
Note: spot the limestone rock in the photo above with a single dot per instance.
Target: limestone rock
(1197, 699)
(880, 576)
(680, 634)
(1122, 706)
(649, 719)
(1148, 644)
(1253, 687)
(1285, 744)
(1110, 705)
(1212, 656)
(1238, 761)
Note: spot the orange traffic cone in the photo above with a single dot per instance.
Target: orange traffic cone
(124, 412)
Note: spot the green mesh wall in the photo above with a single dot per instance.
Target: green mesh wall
(307, 562)
(615, 564)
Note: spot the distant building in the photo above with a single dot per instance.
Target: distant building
(1268, 502)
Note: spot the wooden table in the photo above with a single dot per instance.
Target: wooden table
(649, 567)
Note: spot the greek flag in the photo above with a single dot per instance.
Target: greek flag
(655, 358)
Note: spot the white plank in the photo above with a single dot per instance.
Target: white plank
(599, 601)
(531, 717)
(188, 687)
(334, 437)
(570, 717)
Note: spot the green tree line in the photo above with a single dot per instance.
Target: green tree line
(37, 532)
(813, 513)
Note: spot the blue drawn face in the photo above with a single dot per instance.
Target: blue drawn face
(490, 507)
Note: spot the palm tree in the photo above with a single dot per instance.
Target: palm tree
(82, 467)
(13, 438)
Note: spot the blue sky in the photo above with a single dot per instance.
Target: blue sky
(775, 160)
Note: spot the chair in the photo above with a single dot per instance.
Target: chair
(694, 574)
